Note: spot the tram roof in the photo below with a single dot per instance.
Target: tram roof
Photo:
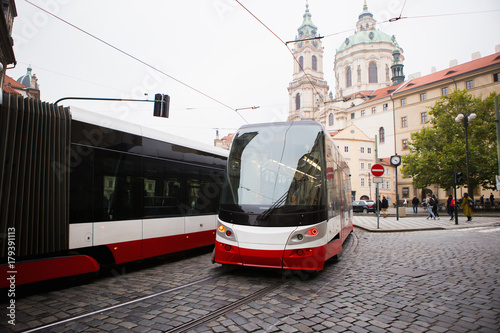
(98, 119)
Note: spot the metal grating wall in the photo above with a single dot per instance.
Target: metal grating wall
(34, 176)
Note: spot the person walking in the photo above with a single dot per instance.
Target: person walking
(492, 201)
(450, 206)
(466, 205)
(385, 206)
(435, 207)
(428, 202)
(415, 203)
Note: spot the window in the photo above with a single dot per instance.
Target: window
(362, 113)
(403, 101)
(469, 84)
(346, 149)
(362, 182)
(404, 121)
(404, 144)
(372, 73)
(444, 91)
(374, 109)
(314, 63)
(330, 119)
(423, 117)
(381, 135)
(496, 77)
(362, 149)
(388, 185)
(301, 63)
(353, 115)
(348, 78)
(369, 150)
(422, 97)
(297, 101)
(362, 165)
(369, 166)
(406, 192)
(385, 107)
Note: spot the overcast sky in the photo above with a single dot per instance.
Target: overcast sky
(219, 49)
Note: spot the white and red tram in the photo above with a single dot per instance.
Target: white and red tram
(286, 198)
(134, 193)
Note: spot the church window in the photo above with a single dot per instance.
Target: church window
(374, 109)
(346, 149)
(496, 77)
(330, 119)
(381, 134)
(469, 84)
(403, 101)
(372, 73)
(314, 63)
(301, 62)
(423, 97)
(353, 115)
(362, 113)
(444, 91)
(297, 101)
(404, 144)
(348, 77)
(385, 107)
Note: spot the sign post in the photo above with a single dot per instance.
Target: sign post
(377, 171)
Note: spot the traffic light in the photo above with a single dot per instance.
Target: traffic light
(162, 106)
(458, 177)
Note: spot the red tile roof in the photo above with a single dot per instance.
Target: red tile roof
(448, 73)
(13, 83)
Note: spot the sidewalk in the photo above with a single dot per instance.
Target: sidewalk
(419, 222)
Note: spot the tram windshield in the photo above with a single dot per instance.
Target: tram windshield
(275, 168)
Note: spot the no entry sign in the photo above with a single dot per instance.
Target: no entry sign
(377, 170)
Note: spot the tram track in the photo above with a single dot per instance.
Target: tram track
(350, 248)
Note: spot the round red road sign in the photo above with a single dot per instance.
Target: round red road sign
(377, 170)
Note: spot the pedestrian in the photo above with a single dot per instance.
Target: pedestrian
(450, 206)
(467, 204)
(405, 203)
(492, 201)
(435, 207)
(384, 206)
(415, 203)
(428, 203)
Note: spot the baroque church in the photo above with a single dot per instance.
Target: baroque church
(374, 109)
(366, 61)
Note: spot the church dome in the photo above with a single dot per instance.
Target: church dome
(25, 80)
(364, 37)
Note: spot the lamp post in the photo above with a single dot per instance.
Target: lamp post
(465, 118)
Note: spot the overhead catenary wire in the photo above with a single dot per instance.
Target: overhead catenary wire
(135, 58)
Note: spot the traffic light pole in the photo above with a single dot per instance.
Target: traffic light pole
(455, 194)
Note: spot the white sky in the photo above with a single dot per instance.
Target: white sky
(217, 47)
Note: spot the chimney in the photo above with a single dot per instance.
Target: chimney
(453, 62)
(475, 55)
(433, 69)
(497, 48)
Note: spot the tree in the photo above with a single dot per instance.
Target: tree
(438, 150)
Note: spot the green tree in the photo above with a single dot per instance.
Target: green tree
(438, 150)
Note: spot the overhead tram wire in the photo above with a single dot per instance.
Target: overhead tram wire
(135, 58)
(286, 45)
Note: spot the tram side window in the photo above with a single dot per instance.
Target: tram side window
(118, 186)
(162, 188)
(203, 189)
(81, 203)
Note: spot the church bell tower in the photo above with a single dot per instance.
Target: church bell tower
(308, 89)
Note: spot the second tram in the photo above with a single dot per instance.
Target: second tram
(286, 199)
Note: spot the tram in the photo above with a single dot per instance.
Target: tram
(286, 198)
(132, 193)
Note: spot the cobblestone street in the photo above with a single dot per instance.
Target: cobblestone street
(421, 281)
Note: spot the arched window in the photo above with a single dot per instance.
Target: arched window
(381, 135)
(297, 101)
(372, 73)
(314, 63)
(348, 77)
(330, 119)
(301, 62)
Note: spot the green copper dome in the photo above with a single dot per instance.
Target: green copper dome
(364, 37)
(307, 29)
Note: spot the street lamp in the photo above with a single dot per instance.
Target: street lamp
(465, 118)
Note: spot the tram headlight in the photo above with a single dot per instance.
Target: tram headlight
(300, 237)
(221, 228)
(312, 232)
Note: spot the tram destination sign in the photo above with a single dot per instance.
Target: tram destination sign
(377, 170)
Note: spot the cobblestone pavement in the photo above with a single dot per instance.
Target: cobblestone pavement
(423, 281)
